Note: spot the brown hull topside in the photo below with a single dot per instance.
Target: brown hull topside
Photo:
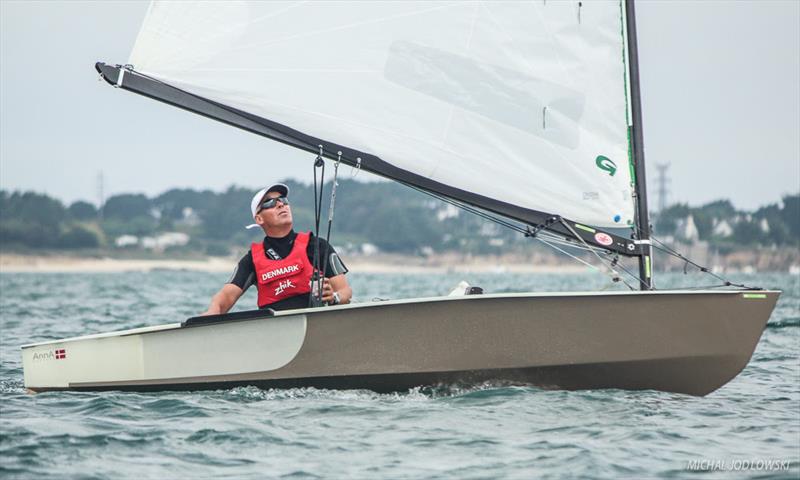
(685, 342)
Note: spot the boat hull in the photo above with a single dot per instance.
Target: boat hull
(685, 342)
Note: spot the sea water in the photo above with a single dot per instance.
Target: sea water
(749, 428)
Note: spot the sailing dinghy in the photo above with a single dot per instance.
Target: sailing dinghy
(525, 113)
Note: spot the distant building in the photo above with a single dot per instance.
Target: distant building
(149, 243)
(722, 228)
(126, 241)
(159, 243)
(489, 229)
(369, 249)
(449, 211)
(687, 230)
(189, 218)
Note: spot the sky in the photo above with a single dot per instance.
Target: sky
(720, 85)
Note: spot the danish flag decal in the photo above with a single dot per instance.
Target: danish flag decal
(61, 353)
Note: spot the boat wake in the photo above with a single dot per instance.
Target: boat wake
(783, 323)
(488, 389)
(12, 386)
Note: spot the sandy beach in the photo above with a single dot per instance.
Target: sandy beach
(16, 263)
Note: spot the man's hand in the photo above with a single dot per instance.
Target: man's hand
(339, 285)
(327, 291)
(224, 300)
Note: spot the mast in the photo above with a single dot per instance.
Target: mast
(640, 187)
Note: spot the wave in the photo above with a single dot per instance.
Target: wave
(784, 323)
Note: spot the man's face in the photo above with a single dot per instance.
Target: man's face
(278, 216)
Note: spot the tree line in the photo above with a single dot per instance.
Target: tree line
(389, 216)
(392, 217)
(720, 224)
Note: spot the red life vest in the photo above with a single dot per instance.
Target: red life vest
(280, 279)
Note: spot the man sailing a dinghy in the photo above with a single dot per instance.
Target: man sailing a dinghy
(282, 265)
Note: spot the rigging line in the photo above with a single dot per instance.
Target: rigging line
(562, 241)
(708, 287)
(706, 270)
(318, 164)
(554, 238)
(622, 267)
(487, 216)
(335, 183)
(585, 262)
(567, 243)
(667, 249)
(470, 209)
(664, 248)
(354, 171)
(613, 271)
(569, 254)
(315, 296)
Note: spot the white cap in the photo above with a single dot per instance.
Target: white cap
(256, 201)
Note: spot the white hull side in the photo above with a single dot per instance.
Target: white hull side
(162, 353)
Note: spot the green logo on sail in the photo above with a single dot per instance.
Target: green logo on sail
(605, 164)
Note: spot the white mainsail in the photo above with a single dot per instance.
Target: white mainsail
(522, 102)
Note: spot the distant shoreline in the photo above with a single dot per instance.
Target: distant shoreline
(19, 263)
(98, 261)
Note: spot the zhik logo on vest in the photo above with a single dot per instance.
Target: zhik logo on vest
(283, 286)
(280, 271)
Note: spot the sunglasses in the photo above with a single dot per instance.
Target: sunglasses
(273, 202)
